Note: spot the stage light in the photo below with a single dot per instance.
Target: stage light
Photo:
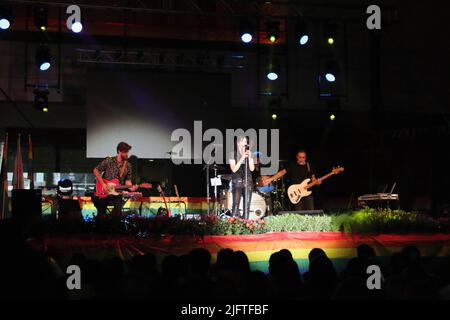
(65, 187)
(274, 116)
(41, 101)
(301, 33)
(77, 27)
(43, 58)
(246, 31)
(330, 30)
(246, 37)
(273, 70)
(330, 77)
(304, 40)
(272, 76)
(333, 108)
(41, 18)
(4, 23)
(331, 71)
(5, 18)
(272, 30)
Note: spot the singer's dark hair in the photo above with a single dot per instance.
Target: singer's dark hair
(238, 138)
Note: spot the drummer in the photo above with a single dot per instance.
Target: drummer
(258, 178)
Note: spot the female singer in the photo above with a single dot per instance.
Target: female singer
(238, 160)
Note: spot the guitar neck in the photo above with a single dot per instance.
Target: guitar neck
(118, 187)
(309, 185)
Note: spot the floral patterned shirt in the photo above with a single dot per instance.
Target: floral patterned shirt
(111, 169)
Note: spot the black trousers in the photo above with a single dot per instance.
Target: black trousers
(238, 192)
(305, 204)
(102, 203)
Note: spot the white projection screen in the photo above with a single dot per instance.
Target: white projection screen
(142, 108)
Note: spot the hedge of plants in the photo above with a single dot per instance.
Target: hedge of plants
(365, 221)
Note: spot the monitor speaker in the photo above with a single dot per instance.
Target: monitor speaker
(26, 204)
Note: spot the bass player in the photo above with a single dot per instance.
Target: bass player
(298, 171)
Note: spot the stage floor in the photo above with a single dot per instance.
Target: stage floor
(340, 247)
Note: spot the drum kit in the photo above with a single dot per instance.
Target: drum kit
(265, 200)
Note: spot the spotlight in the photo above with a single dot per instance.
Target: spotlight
(77, 27)
(43, 58)
(274, 116)
(272, 76)
(273, 71)
(272, 30)
(246, 37)
(41, 18)
(246, 31)
(5, 18)
(65, 187)
(331, 71)
(330, 30)
(330, 77)
(41, 100)
(301, 33)
(333, 108)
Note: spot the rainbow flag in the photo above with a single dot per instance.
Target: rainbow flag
(340, 247)
(4, 202)
(18, 167)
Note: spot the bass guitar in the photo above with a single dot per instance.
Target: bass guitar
(298, 191)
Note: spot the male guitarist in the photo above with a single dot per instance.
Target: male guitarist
(111, 168)
(298, 171)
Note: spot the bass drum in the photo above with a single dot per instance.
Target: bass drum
(258, 205)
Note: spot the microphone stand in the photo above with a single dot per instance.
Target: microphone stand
(246, 187)
(206, 168)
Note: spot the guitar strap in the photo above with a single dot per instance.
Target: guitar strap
(123, 169)
(309, 169)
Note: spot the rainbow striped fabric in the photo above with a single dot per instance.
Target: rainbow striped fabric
(340, 247)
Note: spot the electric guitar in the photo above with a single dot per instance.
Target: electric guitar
(298, 191)
(114, 188)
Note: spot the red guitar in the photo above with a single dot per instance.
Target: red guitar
(113, 188)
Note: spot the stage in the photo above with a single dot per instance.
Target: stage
(339, 246)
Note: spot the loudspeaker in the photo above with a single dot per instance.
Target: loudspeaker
(26, 204)
(69, 209)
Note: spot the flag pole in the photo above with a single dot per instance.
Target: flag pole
(30, 162)
(4, 180)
